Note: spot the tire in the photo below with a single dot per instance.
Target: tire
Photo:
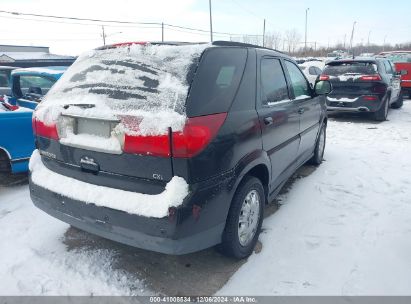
(4, 162)
(317, 158)
(399, 103)
(244, 200)
(382, 113)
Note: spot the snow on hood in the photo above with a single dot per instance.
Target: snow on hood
(147, 205)
(146, 81)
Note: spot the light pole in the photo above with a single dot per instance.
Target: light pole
(211, 22)
(368, 42)
(306, 18)
(264, 34)
(383, 46)
(103, 34)
(352, 37)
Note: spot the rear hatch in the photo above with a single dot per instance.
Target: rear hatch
(110, 118)
(352, 79)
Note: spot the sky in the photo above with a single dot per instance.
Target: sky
(329, 21)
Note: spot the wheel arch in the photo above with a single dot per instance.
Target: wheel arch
(4, 152)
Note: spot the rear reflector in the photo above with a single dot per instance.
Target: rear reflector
(43, 130)
(324, 77)
(370, 98)
(196, 135)
(370, 78)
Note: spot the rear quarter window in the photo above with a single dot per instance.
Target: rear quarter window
(216, 81)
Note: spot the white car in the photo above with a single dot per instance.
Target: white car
(311, 71)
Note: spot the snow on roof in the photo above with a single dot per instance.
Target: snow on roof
(54, 70)
(148, 82)
(35, 56)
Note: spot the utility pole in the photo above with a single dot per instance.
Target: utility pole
(264, 34)
(162, 31)
(103, 35)
(368, 43)
(345, 38)
(306, 19)
(211, 22)
(383, 46)
(352, 37)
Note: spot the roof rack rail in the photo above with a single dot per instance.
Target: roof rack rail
(177, 43)
(234, 43)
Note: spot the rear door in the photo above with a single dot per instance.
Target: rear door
(308, 107)
(279, 119)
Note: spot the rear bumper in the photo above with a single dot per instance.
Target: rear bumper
(406, 84)
(359, 104)
(147, 233)
(348, 109)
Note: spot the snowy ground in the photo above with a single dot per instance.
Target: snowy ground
(344, 229)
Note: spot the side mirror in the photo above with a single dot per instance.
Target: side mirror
(323, 87)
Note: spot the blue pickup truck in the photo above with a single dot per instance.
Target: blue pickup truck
(28, 86)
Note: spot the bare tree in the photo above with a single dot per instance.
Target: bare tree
(273, 40)
(252, 39)
(293, 37)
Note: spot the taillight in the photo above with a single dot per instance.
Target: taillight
(196, 135)
(44, 130)
(147, 145)
(324, 77)
(370, 77)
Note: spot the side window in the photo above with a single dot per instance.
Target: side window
(299, 84)
(312, 71)
(35, 81)
(4, 79)
(318, 70)
(273, 83)
(388, 68)
(392, 66)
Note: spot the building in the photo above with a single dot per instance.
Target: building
(31, 56)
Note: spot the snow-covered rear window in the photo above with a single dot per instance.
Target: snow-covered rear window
(360, 68)
(137, 79)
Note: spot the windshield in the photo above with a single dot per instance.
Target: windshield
(363, 68)
(143, 77)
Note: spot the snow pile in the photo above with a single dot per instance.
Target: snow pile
(98, 143)
(145, 81)
(345, 228)
(131, 202)
(35, 260)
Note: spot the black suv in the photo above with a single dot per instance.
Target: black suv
(115, 158)
(363, 85)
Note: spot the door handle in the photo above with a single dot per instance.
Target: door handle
(268, 120)
(301, 111)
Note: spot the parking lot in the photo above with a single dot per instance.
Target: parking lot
(343, 228)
